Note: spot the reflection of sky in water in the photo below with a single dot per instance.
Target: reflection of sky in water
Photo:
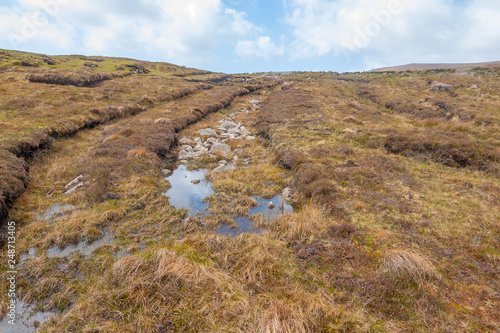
(246, 225)
(184, 194)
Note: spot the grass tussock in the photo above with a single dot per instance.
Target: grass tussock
(407, 265)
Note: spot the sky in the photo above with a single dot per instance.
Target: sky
(246, 36)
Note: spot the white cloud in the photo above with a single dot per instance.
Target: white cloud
(395, 31)
(185, 32)
(263, 47)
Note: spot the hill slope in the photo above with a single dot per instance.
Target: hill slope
(319, 202)
(424, 67)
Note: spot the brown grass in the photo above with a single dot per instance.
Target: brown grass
(407, 265)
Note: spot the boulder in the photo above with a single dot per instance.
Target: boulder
(186, 141)
(207, 132)
(250, 138)
(196, 181)
(287, 194)
(270, 205)
(221, 148)
(440, 86)
(234, 131)
(474, 86)
(228, 124)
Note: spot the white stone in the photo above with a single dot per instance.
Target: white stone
(74, 188)
(207, 132)
(250, 138)
(74, 181)
(186, 141)
(220, 168)
(222, 148)
(235, 131)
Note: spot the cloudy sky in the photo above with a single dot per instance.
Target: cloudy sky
(235, 36)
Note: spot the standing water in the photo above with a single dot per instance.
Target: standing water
(185, 194)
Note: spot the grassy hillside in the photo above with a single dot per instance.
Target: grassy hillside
(394, 181)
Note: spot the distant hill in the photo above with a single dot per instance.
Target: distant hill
(423, 67)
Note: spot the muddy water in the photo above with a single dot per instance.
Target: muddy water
(185, 195)
(27, 319)
(55, 212)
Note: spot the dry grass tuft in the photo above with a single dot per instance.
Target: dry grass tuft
(162, 121)
(127, 267)
(177, 268)
(408, 265)
(282, 318)
(138, 152)
(310, 220)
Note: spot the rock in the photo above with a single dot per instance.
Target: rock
(74, 181)
(201, 149)
(287, 194)
(186, 141)
(196, 181)
(49, 61)
(235, 158)
(221, 148)
(228, 124)
(225, 140)
(474, 86)
(220, 168)
(440, 86)
(244, 131)
(184, 162)
(74, 188)
(187, 148)
(250, 138)
(223, 162)
(207, 132)
(270, 205)
(197, 140)
(234, 131)
(166, 172)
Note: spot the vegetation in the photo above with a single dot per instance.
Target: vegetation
(395, 187)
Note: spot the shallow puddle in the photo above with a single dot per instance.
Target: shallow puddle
(84, 248)
(27, 319)
(55, 212)
(185, 195)
(244, 224)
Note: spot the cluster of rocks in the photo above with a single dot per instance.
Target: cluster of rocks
(214, 141)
